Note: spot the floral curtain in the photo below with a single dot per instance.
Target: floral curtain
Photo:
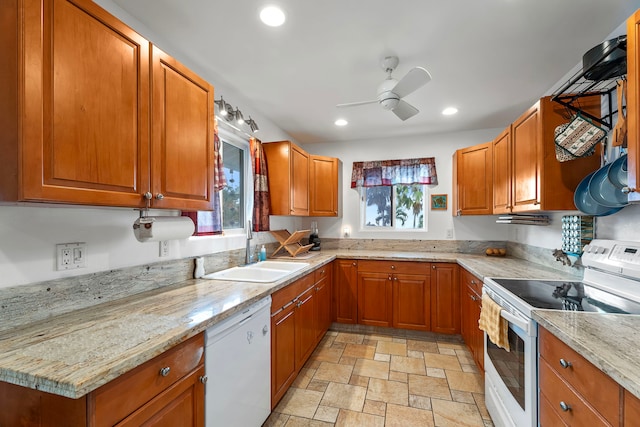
(392, 172)
(260, 186)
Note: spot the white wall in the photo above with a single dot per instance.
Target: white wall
(440, 146)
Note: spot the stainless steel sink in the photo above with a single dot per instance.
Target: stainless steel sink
(262, 272)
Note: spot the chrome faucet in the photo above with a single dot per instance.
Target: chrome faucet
(248, 258)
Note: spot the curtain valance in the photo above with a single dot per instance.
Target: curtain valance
(392, 172)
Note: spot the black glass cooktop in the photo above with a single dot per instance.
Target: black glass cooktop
(563, 295)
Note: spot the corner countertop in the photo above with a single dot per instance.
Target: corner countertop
(75, 353)
(609, 341)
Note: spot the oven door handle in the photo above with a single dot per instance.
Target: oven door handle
(521, 323)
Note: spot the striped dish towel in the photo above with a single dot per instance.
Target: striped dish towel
(493, 324)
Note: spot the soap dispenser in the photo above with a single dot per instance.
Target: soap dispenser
(263, 254)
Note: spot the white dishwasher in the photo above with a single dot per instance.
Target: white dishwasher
(238, 366)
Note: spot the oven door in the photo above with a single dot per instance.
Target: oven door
(511, 376)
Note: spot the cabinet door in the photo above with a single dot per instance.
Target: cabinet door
(631, 409)
(182, 136)
(474, 180)
(283, 361)
(345, 291)
(445, 298)
(323, 301)
(502, 172)
(374, 299)
(84, 108)
(180, 405)
(478, 340)
(299, 181)
(306, 326)
(633, 105)
(411, 301)
(525, 136)
(324, 186)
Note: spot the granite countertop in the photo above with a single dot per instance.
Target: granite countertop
(73, 354)
(609, 341)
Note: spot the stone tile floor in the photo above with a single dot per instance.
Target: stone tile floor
(355, 379)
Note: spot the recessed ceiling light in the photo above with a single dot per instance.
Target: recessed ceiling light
(341, 122)
(272, 16)
(449, 111)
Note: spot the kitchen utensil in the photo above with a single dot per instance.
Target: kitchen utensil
(617, 173)
(585, 203)
(614, 64)
(620, 130)
(604, 192)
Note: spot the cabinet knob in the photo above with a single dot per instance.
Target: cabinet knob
(395, 278)
(473, 298)
(203, 379)
(147, 195)
(389, 277)
(354, 264)
(433, 267)
(317, 289)
(565, 407)
(627, 190)
(564, 363)
(393, 267)
(165, 371)
(459, 212)
(536, 203)
(473, 282)
(322, 272)
(159, 196)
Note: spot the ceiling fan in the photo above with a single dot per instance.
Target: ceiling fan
(391, 91)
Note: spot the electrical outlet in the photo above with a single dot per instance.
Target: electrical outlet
(70, 256)
(449, 233)
(164, 248)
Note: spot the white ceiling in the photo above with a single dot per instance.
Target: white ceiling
(490, 58)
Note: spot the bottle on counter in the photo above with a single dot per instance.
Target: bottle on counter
(263, 254)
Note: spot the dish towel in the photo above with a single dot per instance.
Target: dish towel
(493, 324)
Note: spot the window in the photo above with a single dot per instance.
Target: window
(233, 195)
(397, 207)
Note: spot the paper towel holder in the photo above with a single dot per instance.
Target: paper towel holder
(159, 228)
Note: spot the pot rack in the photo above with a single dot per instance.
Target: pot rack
(578, 86)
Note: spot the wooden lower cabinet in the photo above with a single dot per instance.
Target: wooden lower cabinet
(345, 291)
(631, 413)
(411, 297)
(374, 299)
(470, 307)
(445, 298)
(300, 316)
(146, 395)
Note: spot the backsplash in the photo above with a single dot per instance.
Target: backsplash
(453, 246)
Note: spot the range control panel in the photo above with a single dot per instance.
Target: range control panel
(613, 256)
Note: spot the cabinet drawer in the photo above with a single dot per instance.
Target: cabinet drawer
(290, 292)
(395, 267)
(321, 272)
(548, 415)
(119, 398)
(558, 393)
(594, 385)
(472, 281)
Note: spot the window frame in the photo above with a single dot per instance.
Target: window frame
(393, 228)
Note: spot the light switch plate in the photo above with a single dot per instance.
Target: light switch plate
(70, 256)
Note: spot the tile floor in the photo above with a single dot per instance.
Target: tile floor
(355, 379)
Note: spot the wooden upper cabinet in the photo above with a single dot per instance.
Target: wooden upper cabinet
(182, 136)
(473, 178)
(539, 182)
(502, 172)
(76, 105)
(633, 105)
(288, 173)
(323, 186)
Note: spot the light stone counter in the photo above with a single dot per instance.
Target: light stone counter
(609, 341)
(73, 354)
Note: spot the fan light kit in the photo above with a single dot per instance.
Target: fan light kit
(272, 16)
(391, 91)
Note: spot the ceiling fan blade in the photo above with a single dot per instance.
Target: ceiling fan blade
(353, 104)
(413, 80)
(404, 110)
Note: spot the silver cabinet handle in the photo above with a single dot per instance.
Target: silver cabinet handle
(565, 407)
(165, 371)
(204, 379)
(564, 363)
(159, 196)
